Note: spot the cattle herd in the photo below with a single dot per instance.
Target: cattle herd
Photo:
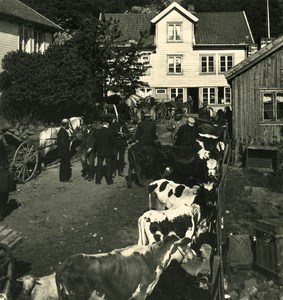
(179, 226)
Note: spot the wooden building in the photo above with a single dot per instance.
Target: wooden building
(24, 29)
(188, 52)
(257, 93)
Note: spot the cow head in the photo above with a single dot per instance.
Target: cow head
(183, 252)
(28, 282)
(212, 168)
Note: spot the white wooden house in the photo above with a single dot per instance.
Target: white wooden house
(22, 28)
(189, 52)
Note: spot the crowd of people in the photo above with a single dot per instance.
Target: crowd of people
(107, 142)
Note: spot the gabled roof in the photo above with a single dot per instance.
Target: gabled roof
(171, 7)
(18, 10)
(131, 25)
(220, 28)
(254, 58)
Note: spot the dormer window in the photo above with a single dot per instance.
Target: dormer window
(174, 32)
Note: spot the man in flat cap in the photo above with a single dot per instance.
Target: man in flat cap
(186, 134)
(63, 143)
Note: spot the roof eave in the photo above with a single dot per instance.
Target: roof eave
(252, 60)
(171, 7)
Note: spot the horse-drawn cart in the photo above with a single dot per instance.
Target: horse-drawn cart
(25, 158)
(29, 148)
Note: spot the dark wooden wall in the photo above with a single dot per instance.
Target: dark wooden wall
(248, 127)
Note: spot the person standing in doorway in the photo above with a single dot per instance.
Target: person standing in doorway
(63, 144)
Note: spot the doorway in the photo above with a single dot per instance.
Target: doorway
(193, 92)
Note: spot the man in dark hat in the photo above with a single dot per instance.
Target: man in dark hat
(186, 134)
(122, 134)
(105, 144)
(88, 151)
(63, 143)
(146, 131)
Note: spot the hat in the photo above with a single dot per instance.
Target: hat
(191, 121)
(65, 121)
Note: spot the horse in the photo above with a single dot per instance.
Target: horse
(48, 138)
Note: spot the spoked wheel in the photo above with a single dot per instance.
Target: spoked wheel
(161, 112)
(25, 161)
(6, 269)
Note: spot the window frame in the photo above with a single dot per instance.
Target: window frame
(174, 56)
(38, 41)
(174, 24)
(207, 64)
(177, 90)
(147, 63)
(273, 93)
(209, 95)
(25, 39)
(227, 67)
(226, 95)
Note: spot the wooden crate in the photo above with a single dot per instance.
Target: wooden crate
(269, 247)
(262, 158)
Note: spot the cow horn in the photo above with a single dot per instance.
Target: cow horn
(36, 281)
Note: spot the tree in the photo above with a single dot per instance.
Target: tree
(112, 64)
(69, 79)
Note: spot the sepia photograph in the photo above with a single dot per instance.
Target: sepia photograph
(141, 149)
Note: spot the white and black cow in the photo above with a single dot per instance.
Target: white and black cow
(128, 273)
(163, 193)
(154, 225)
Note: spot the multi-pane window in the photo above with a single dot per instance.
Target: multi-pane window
(31, 40)
(145, 60)
(272, 105)
(224, 95)
(174, 92)
(38, 40)
(226, 63)
(25, 39)
(208, 95)
(175, 64)
(207, 64)
(174, 32)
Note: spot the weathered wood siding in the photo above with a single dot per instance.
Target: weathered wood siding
(247, 105)
(9, 38)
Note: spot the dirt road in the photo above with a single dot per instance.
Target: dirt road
(60, 219)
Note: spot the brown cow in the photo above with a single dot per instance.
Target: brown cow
(128, 273)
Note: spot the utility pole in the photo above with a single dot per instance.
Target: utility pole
(268, 20)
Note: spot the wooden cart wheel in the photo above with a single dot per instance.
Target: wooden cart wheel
(161, 112)
(6, 269)
(25, 161)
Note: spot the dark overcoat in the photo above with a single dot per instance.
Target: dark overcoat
(105, 142)
(63, 142)
(146, 132)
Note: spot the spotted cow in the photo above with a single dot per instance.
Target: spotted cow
(128, 273)
(165, 194)
(154, 225)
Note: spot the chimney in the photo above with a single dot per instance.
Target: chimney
(253, 48)
(265, 41)
(191, 8)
